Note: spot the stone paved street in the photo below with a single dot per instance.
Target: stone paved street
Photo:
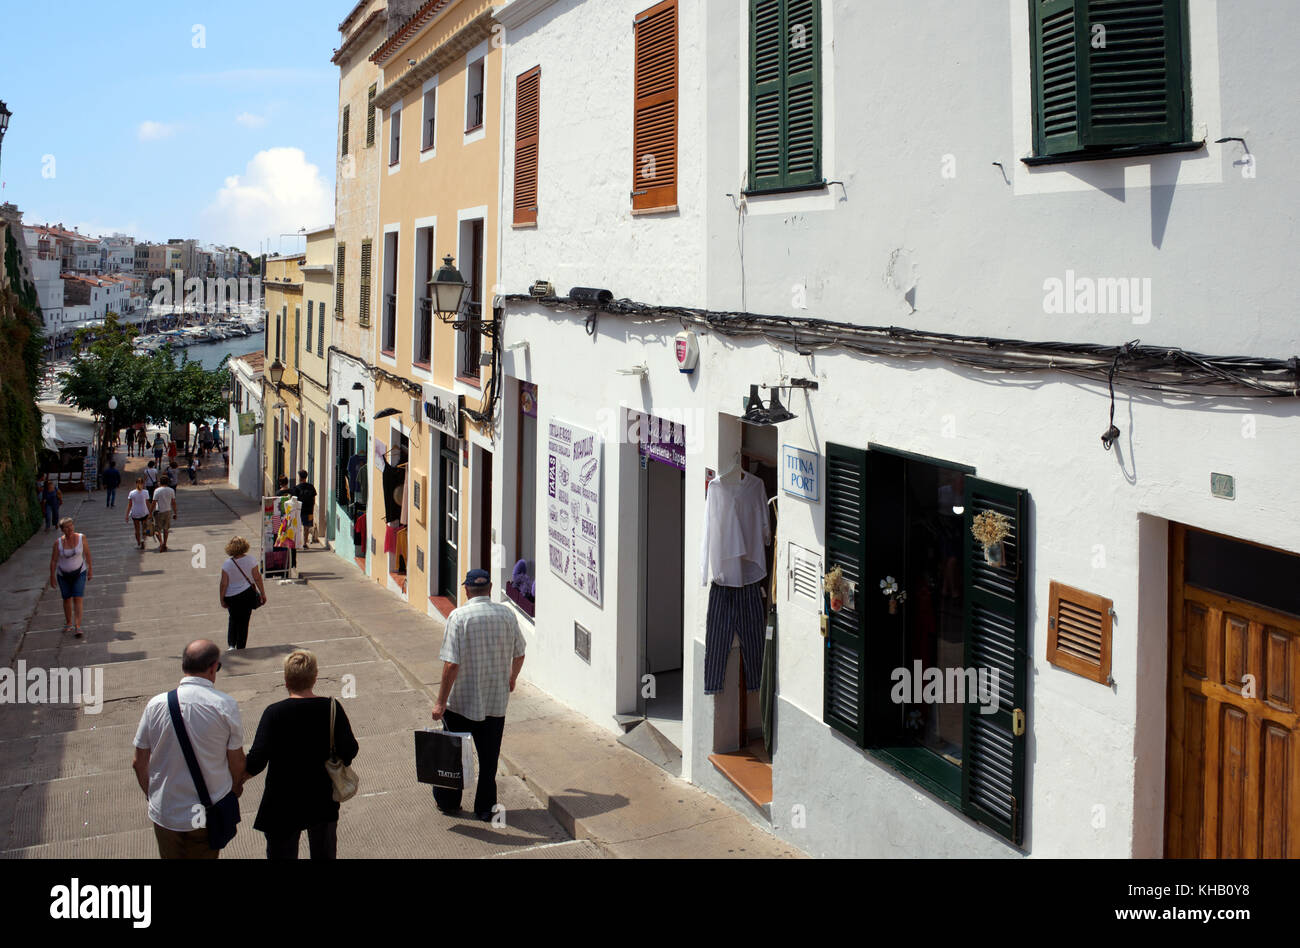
(67, 788)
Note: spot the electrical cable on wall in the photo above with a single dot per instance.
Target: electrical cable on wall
(1164, 369)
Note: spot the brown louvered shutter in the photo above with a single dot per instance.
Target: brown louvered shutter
(654, 126)
(1079, 632)
(347, 121)
(364, 313)
(370, 113)
(528, 94)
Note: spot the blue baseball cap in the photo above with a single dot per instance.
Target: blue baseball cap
(477, 579)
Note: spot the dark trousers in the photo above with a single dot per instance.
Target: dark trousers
(237, 622)
(487, 741)
(322, 842)
(51, 515)
(111, 500)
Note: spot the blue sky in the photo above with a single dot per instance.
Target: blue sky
(212, 120)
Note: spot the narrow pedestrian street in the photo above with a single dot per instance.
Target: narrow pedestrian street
(67, 790)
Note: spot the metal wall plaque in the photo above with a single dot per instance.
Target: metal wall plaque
(582, 643)
(1224, 486)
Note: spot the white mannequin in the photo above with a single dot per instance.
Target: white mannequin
(734, 473)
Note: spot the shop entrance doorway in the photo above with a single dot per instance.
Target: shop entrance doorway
(661, 675)
(449, 518)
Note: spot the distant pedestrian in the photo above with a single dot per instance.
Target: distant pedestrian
(194, 471)
(164, 508)
(171, 451)
(140, 439)
(130, 442)
(241, 591)
(174, 472)
(293, 737)
(112, 481)
(212, 723)
(151, 477)
(306, 494)
(51, 500)
(70, 567)
(137, 510)
(158, 448)
(482, 652)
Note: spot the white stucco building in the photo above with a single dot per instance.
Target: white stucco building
(895, 169)
(246, 450)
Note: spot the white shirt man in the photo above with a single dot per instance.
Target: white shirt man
(164, 508)
(217, 735)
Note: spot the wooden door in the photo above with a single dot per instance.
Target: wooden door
(1233, 759)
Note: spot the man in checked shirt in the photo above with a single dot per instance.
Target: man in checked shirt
(482, 652)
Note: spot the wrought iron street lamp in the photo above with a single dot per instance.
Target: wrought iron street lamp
(4, 120)
(450, 291)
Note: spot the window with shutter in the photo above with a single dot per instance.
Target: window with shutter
(528, 89)
(320, 332)
(347, 121)
(1078, 632)
(364, 312)
(340, 259)
(370, 114)
(310, 306)
(785, 95)
(933, 684)
(654, 123)
(297, 333)
(1109, 76)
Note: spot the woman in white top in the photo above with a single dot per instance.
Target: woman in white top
(137, 509)
(70, 567)
(241, 591)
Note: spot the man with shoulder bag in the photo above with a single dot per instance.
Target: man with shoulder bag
(189, 760)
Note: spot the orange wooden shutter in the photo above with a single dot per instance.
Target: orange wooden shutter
(1079, 631)
(654, 131)
(528, 95)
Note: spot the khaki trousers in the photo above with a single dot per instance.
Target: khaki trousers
(173, 844)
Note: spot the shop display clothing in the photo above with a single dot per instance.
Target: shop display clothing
(393, 479)
(734, 611)
(736, 533)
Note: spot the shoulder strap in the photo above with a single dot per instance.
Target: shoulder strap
(241, 572)
(333, 707)
(178, 724)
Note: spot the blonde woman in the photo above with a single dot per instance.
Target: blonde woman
(70, 567)
(293, 737)
(241, 591)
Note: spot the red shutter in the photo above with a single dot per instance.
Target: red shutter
(528, 96)
(654, 132)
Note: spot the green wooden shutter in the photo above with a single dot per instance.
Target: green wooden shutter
(1057, 80)
(1135, 82)
(997, 638)
(844, 701)
(802, 98)
(370, 113)
(785, 94)
(341, 258)
(347, 110)
(765, 113)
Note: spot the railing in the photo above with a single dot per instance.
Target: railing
(424, 333)
(473, 346)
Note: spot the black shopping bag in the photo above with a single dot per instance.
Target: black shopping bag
(444, 759)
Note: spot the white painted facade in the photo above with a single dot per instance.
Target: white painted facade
(246, 450)
(587, 235)
(899, 241)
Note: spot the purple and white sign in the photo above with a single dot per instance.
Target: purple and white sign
(657, 439)
(573, 502)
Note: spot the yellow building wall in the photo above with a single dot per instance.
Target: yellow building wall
(458, 177)
(282, 286)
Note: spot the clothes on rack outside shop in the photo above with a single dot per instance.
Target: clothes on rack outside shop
(399, 545)
(390, 539)
(393, 480)
(736, 532)
(356, 469)
(288, 532)
(734, 611)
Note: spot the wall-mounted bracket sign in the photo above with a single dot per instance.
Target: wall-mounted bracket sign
(442, 410)
(1224, 486)
(801, 473)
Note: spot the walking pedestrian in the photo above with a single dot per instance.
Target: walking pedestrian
(137, 510)
(112, 481)
(140, 438)
(130, 442)
(171, 451)
(306, 494)
(482, 652)
(194, 471)
(164, 508)
(294, 738)
(70, 567)
(174, 472)
(158, 449)
(151, 477)
(241, 592)
(51, 500)
(212, 723)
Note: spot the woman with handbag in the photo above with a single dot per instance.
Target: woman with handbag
(308, 743)
(241, 591)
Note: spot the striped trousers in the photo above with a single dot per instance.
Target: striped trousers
(734, 611)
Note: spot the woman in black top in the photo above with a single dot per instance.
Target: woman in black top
(294, 738)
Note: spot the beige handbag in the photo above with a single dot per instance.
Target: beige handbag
(342, 776)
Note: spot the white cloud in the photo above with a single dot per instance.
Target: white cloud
(279, 192)
(149, 131)
(249, 120)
